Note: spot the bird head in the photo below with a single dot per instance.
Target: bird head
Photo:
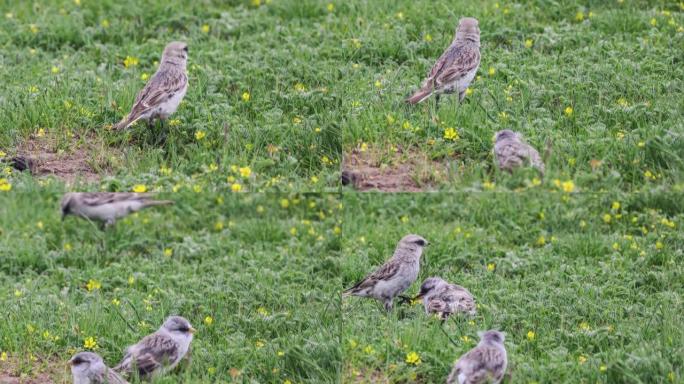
(177, 51)
(505, 134)
(428, 285)
(414, 240)
(86, 364)
(178, 325)
(66, 204)
(468, 29)
(492, 336)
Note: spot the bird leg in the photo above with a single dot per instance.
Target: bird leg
(403, 299)
(388, 305)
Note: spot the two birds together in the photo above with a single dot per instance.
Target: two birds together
(453, 72)
(488, 360)
(154, 355)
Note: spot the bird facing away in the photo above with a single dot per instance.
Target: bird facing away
(457, 66)
(444, 298)
(159, 352)
(486, 363)
(88, 368)
(393, 277)
(106, 207)
(511, 151)
(164, 91)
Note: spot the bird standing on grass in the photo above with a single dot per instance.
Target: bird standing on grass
(444, 298)
(164, 91)
(160, 352)
(88, 368)
(395, 276)
(486, 363)
(511, 151)
(106, 207)
(457, 66)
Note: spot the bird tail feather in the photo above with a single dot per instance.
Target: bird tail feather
(152, 203)
(125, 122)
(419, 96)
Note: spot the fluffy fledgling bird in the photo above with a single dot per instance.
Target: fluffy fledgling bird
(159, 352)
(511, 151)
(393, 277)
(486, 363)
(164, 91)
(456, 68)
(89, 368)
(445, 299)
(106, 207)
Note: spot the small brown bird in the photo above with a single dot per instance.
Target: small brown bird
(486, 363)
(164, 91)
(159, 352)
(106, 207)
(457, 66)
(395, 276)
(444, 298)
(88, 368)
(511, 151)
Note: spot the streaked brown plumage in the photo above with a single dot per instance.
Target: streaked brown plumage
(164, 91)
(106, 207)
(511, 151)
(457, 66)
(486, 363)
(444, 298)
(89, 368)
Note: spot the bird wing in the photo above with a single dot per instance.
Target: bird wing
(384, 273)
(114, 378)
(462, 60)
(161, 87)
(153, 352)
(101, 198)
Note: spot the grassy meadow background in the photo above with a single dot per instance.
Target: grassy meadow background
(256, 274)
(582, 270)
(588, 289)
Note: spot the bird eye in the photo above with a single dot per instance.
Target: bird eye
(185, 48)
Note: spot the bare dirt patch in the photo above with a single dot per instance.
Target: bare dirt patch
(75, 158)
(38, 371)
(391, 169)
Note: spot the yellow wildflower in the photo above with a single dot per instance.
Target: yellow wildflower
(413, 358)
(93, 285)
(259, 344)
(236, 187)
(491, 267)
(104, 23)
(130, 61)
(568, 111)
(284, 203)
(530, 335)
(245, 172)
(330, 7)
(607, 218)
(33, 28)
(5, 185)
(208, 320)
(568, 186)
(582, 359)
(427, 37)
(168, 252)
(450, 134)
(529, 43)
(199, 135)
(205, 28)
(90, 343)
(139, 188)
(579, 16)
(246, 96)
(3, 356)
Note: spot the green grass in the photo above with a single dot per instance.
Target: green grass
(618, 308)
(617, 72)
(257, 281)
(325, 78)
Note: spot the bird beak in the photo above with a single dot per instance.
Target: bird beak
(70, 362)
(418, 296)
(192, 330)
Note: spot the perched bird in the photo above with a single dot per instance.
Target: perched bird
(486, 363)
(444, 298)
(511, 151)
(164, 91)
(159, 352)
(88, 368)
(393, 277)
(106, 207)
(457, 66)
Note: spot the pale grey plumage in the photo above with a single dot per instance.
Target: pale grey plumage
(164, 91)
(159, 352)
(106, 207)
(511, 152)
(486, 363)
(89, 368)
(457, 66)
(395, 276)
(445, 299)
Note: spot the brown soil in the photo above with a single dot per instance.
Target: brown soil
(391, 169)
(50, 371)
(72, 161)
